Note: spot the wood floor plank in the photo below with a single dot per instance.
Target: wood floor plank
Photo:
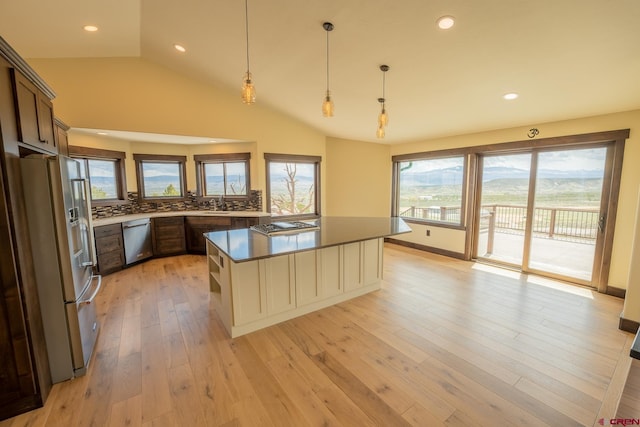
(127, 412)
(364, 397)
(278, 403)
(156, 396)
(307, 401)
(184, 396)
(95, 408)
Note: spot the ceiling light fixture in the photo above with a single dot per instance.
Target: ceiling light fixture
(248, 90)
(445, 22)
(383, 117)
(327, 105)
(180, 48)
(510, 96)
(90, 28)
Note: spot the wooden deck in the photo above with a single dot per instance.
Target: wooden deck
(443, 343)
(572, 259)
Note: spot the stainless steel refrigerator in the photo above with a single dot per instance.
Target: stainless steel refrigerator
(59, 220)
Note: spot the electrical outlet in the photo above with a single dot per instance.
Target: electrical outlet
(428, 233)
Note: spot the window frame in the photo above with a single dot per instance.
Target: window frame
(87, 153)
(294, 158)
(140, 159)
(433, 155)
(203, 159)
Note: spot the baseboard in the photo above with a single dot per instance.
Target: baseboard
(425, 248)
(616, 292)
(628, 325)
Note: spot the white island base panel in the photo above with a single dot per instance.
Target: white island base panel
(255, 294)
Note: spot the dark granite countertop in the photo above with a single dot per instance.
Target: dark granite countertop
(247, 245)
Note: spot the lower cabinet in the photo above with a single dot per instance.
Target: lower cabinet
(169, 236)
(196, 226)
(109, 248)
(254, 294)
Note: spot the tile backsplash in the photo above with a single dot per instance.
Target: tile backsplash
(190, 203)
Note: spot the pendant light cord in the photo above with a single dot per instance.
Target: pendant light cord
(327, 61)
(246, 26)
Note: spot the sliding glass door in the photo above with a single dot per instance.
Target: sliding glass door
(503, 207)
(566, 211)
(542, 210)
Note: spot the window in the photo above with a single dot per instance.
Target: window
(293, 185)
(160, 176)
(106, 174)
(223, 174)
(430, 189)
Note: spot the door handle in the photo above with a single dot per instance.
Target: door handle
(601, 223)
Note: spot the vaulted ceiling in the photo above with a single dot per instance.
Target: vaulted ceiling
(565, 59)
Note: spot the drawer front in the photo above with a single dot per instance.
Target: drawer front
(109, 244)
(169, 231)
(170, 246)
(177, 220)
(107, 230)
(110, 261)
(208, 221)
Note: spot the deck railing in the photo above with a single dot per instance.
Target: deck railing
(568, 224)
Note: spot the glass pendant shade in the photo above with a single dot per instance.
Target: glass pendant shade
(248, 90)
(383, 118)
(327, 106)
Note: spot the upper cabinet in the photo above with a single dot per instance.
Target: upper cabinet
(34, 113)
(62, 140)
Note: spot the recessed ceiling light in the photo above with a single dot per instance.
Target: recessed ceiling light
(445, 22)
(90, 28)
(510, 96)
(180, 48)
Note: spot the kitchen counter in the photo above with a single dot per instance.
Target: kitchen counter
(259, 280)
(124, 218)
(247, 245)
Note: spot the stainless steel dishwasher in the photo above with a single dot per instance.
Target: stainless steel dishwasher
(137, 240)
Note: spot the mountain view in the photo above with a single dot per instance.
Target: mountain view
(501, 185)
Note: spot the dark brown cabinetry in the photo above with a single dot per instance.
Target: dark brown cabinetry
(25, 377)
(34, 114)
(169, 236)
(62, 141)
(244, 222)
(109, 248)
(196, 226)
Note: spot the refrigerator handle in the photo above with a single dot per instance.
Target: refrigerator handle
(92, 297)
(89, 218)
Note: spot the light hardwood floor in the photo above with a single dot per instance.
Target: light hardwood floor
(444, 342)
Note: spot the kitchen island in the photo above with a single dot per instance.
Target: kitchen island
(258, 280)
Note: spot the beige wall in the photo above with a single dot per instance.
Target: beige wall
(136, 95)
(359, 178)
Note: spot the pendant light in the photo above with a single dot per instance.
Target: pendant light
(383, 118)
(248, 90)
(327, 105)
